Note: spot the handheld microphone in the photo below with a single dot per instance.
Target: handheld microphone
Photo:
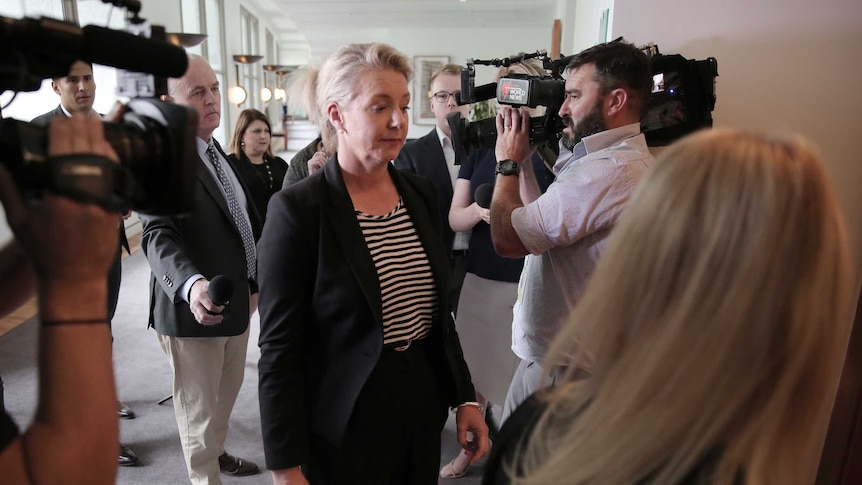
(483, 195)
(220, 291)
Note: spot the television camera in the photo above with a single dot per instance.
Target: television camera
(681, 102)
(682, 98)
(515, 90)
(155, 141)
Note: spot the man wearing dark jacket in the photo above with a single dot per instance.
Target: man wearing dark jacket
(433, 157)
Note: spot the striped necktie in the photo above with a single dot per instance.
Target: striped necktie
(236, 212)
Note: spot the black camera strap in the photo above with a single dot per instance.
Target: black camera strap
(88, 178)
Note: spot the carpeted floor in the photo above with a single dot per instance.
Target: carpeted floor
(143, 378)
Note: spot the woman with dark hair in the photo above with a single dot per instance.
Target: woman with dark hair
(251, 154)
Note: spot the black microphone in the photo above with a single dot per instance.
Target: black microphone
(220, 291)
(483, 195)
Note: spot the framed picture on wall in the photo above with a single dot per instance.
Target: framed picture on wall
(423, 67)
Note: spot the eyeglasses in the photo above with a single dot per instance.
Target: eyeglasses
(443, 96)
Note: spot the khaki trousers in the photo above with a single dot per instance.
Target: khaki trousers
(208, 373)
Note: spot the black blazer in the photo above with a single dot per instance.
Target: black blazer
(203, 241)
(321, 311)
(424, 156)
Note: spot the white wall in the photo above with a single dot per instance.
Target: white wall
(588, 13)
(790, 65)
(787, 65)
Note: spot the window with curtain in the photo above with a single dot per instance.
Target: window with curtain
(250, 74)
(190, 14)
(212, 19)
(269, 79)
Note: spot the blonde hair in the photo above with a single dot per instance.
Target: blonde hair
(302, 93)
(337, 79)
(246, 118)
(714, 322)
(530, 67)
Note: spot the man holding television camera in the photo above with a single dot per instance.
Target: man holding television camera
(603, 154)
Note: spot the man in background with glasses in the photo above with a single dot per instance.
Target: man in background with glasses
(433, 157)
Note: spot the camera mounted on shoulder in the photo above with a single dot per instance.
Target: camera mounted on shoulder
(155, 141)
(682, 99)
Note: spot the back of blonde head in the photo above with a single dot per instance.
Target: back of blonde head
(715, 324)
(302, 93)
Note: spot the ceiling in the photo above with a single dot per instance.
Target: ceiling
(313, 28)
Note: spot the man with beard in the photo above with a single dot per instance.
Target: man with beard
(562, 232)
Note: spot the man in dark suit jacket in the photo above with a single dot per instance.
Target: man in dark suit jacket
(77, 93)
(433, 157)
(206, 343)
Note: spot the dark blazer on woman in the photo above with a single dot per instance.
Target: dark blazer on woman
(321, 312)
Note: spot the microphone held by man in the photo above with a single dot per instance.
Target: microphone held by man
(220, 291)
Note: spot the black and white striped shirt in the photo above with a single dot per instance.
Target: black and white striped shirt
(406, 283)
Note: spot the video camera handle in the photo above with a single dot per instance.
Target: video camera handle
(508, 61)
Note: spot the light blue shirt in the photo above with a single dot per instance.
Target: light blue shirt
(567, 227)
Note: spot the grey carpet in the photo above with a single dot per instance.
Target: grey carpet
(143, 378)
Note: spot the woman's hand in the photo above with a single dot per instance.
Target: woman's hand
(471, 422)
(484, 214)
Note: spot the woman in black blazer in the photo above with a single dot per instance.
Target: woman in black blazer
(359, 366)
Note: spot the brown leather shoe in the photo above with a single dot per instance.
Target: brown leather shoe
(236, 467)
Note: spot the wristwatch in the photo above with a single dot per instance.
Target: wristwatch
(508, 167)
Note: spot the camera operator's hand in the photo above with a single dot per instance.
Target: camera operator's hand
(513, 135)
(70, 244)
